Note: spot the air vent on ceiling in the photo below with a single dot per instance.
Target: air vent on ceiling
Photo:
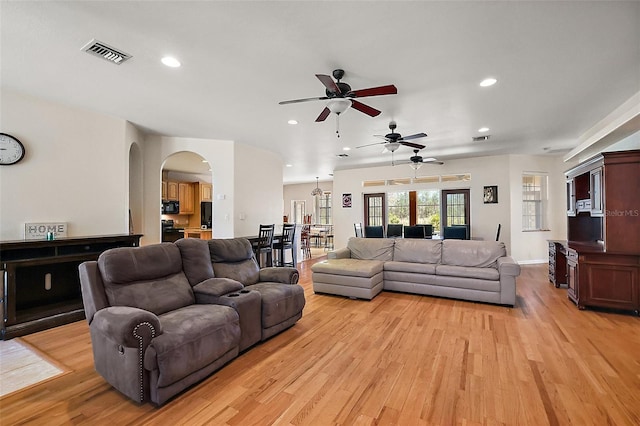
(101, 50)
(480, 138)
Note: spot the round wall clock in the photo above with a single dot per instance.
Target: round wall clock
(11, 150)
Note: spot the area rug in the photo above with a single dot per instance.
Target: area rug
(21, 367)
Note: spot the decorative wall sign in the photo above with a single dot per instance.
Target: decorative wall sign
(39, 231)
(346, 200)
(491, 194)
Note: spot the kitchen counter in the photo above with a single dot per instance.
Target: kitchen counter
(203, 234)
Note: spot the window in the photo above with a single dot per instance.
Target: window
(428, 205)
(324, 208)
(534, 202)
(398, 203)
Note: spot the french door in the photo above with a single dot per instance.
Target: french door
(456, 207)
(375, 209)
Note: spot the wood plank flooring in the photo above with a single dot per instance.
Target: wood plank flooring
(399, 359)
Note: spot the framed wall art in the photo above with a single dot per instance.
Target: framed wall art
(491, 194)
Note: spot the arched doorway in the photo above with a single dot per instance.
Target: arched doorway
(187, 196)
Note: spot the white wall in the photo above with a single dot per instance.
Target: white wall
(504, 171)
(258, 189)
(220, 155)
(74, 170)
(302, 191)
(532, 246)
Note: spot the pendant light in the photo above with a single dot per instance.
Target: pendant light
(317, 190)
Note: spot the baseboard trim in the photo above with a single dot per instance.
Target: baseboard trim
(532, 262)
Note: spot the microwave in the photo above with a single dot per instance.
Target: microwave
(170, 207)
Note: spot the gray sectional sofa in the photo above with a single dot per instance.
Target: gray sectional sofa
(470, 270)
(165, 316)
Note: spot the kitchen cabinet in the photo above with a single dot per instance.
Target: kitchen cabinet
(164, 190)
(41, 281)
(172, 191)
(206, 192)
(185, 197)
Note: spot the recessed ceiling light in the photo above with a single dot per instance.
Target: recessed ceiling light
(171, 62)
(488, 82)
(483, 129)
(346, 148)
(288, 165)
(292, 121)
(204, 161)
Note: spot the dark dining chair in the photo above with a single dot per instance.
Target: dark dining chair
(416, 231)
(428, 229)
(374, 231)
(285, 243)
(394, 230)
(264, 245)
(358, 229)
(455, 233)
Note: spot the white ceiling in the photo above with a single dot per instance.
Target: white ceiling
(561, 67)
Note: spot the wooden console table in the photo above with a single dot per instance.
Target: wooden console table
(41, 284)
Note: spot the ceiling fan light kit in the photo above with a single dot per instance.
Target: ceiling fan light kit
(341, 96)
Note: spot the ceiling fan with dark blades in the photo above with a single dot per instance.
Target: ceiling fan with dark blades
(393, 140)
(341, 97)
(417, 160)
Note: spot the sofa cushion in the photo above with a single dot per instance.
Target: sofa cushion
(148, 278)
(196, 259)
(230, 250)
(279, 301)
(349, 267)
(417, 251)
(472, 253)
(468, 272)
(129, 264)
(371, 248)
(193, 337)
(247, 271)
(415, 268)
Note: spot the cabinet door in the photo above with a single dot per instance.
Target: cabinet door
(172, 191)
(206, 192)
(612, 286)
(571, 197)
(164, 190)
(596, 192)
(573, 288)
(185, 196)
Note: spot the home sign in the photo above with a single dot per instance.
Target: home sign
(40, 231)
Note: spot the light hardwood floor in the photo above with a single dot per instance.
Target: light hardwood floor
(398, 359)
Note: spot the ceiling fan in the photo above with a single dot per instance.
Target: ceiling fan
(393, 140)
(417, 161)
(341, 97)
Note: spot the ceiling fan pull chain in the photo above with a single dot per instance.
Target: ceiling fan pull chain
(338, 125)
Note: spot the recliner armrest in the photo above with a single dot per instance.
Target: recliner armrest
(343, 253)
(508, 266)
(208, 291)
(127, 325)
(286, 275)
